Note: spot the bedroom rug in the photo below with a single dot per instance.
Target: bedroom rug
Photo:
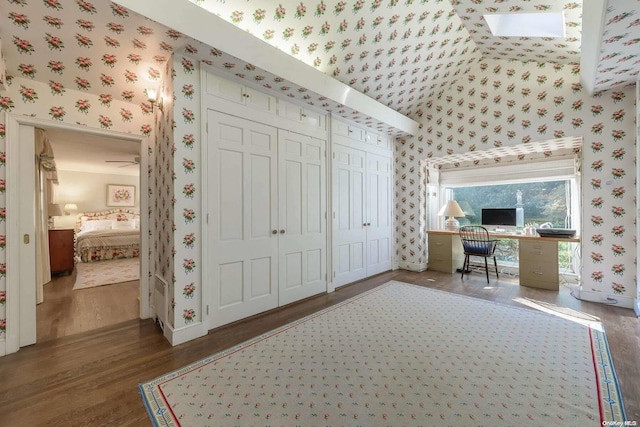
(99, 273)
(397, 355)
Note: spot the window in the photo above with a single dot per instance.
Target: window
(541, 202)
(546, 192)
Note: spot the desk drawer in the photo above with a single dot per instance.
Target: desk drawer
(542, 275)
(445, 253)
(440, 243)
(441, 263)
(538, 251)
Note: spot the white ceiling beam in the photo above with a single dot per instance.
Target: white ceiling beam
(196, 22)
(593, 16)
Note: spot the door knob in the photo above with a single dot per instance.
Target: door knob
(282, 231)
(274, 231)
(364, 225)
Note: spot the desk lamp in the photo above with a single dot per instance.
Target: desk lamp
(451, 210)
(53, 209)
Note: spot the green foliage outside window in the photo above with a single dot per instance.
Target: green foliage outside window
(541, 202)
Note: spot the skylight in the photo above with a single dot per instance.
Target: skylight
(536, 24)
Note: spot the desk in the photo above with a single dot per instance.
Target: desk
(537, 256)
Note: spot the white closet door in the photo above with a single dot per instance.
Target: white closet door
(349, 224)
(243, 207)
(302, 234)
(378, 213)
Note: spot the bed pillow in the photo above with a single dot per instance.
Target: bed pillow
(97, 225)
(123, 225)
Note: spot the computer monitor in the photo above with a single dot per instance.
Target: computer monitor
(502, 217)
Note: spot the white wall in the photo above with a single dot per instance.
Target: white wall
(89, 192)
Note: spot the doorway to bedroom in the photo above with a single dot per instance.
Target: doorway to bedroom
(100, 285)
(66, 310)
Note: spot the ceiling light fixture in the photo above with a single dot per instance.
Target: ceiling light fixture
(533, 24)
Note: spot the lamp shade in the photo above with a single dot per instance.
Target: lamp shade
(451, 210)
(54, 210)
(70, 207)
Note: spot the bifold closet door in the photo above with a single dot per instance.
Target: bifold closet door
(349, 236)
(243, 239)
(302, 211)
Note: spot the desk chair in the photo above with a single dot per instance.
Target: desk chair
(476, 242)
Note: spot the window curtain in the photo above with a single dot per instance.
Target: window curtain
(525, 171)
(46, 179)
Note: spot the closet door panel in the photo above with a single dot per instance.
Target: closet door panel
(260, 101)
(302, 234)
(349, 205)
(243, 208)
(225, 89)
(378, 213)
(230, 195)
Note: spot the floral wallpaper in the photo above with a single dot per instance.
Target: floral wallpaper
(618, 60)
(92, 47)
(393, 53)
(187, 178)
(161, 181)
(504, 103)
(378, 47)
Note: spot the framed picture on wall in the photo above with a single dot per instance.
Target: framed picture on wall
(121, 195)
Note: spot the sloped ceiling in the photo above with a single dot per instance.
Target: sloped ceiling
(398, 52)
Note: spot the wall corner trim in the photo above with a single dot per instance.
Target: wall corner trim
(185, 333)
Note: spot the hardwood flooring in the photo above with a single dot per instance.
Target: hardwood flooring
(67, 312)
(91, 378)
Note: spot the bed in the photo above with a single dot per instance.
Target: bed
(107, 235)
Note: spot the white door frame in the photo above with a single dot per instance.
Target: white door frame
(15, 328)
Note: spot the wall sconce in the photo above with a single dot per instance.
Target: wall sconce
(70, 207)
(152, 97)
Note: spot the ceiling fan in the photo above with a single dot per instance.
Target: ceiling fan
(135, 161)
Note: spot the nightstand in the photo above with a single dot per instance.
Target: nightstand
(61, 251)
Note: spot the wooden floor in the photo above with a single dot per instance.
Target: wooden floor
(67, 312)
(91, 378)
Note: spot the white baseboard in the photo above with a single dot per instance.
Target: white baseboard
(636, 307)
(3, 347)
(412, 266)
(184, 334)
(604, 298)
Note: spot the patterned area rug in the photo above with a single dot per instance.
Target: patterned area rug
(401, 355)
(98, 273)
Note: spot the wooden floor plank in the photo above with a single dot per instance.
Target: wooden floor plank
(91, 378)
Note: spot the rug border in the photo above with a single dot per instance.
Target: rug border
(610, 408)
(602, 369)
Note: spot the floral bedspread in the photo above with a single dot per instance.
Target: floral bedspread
(107, 245)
